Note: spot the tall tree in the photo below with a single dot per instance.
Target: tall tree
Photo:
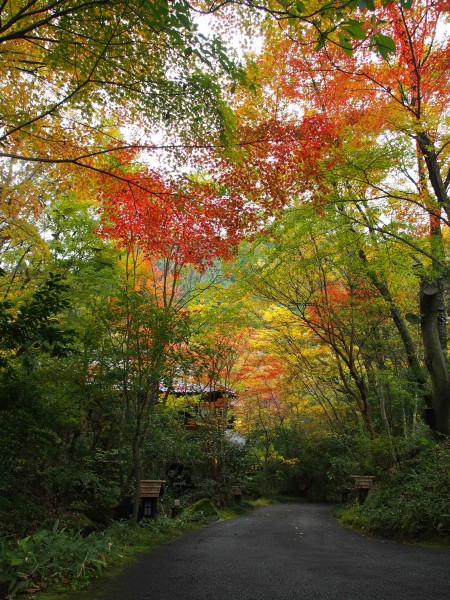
(163, 234)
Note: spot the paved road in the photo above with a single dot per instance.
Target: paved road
(284, 552)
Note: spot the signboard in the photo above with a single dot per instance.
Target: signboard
(363, 481)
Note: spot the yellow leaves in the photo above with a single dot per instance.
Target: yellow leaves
(276, 456)
(22, 197)
(281, 319)
(175, 402)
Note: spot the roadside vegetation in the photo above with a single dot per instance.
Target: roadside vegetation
(59, 563)
(412, 504)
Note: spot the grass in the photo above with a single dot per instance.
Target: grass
(127, 549)
(355, 517)
(130, 543)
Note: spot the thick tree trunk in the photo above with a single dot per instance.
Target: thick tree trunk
(431, 313)
(429, 153)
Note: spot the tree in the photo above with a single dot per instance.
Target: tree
(64, 60)
(313, 135)
(52, 460)
(324, 292)
(34, 323)
(163, 235)
(81, 82)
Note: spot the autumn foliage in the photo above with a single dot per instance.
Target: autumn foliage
(274, 245)
(186, 222)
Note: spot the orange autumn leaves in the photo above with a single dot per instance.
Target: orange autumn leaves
(323, 113)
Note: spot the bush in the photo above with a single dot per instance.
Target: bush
(202, 508)
(352, 516)
(64, 556)
(414, 502)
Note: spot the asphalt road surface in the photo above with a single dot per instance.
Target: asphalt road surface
(284, 552)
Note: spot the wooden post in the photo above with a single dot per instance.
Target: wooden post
(176, 509)
(237, 493)
(153, 508)
(344, 495)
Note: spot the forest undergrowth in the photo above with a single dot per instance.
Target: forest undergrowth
(413, 504)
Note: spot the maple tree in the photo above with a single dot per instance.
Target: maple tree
(183, 222)
(164, 234)
(82, 81)
(325, 295)
(366, 132)
(262, 408)
(210, 370)
(289, 407)
(208, 367)
(73, 78)
(343, 372)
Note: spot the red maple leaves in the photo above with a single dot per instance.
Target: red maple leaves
(187, 222)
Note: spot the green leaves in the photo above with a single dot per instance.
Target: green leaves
(345, 44)
(366, 4)
(383, 44)
(370, 4)
(354, 29)
(51, 556)
(35, 323)
(414, 502)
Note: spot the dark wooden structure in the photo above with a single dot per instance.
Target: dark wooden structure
(237, 493)
(151, 490)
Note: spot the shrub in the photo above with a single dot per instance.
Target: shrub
(50, 556)
(63, 556)
(202, 508)
(414, 502)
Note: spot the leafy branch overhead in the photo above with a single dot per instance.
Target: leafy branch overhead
(343, 23)
(73, 72)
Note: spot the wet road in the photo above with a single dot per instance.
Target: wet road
(284, 552)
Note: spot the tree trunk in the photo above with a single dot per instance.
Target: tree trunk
(385, 420)
(417, 372)
(137, 482)
(431, 312)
